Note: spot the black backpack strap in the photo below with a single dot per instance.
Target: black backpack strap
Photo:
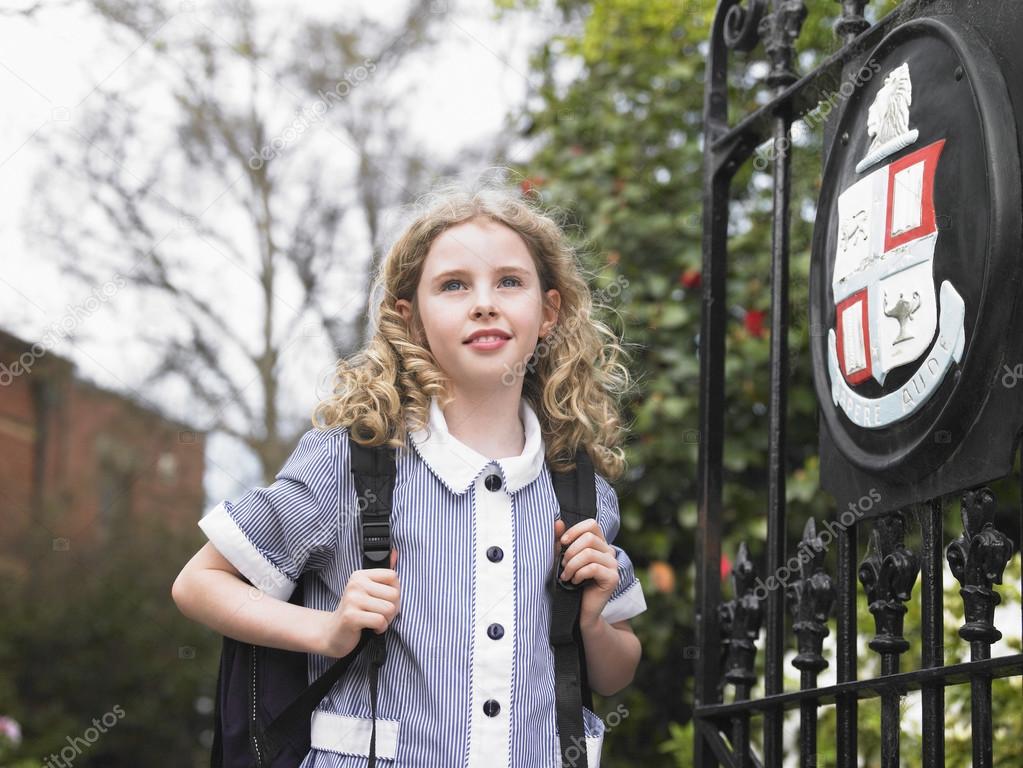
(217, 750)
(374, 471)
(577, 497)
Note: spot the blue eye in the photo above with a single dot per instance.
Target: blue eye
(445, 285)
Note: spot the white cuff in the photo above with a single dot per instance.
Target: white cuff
(349, 735)
(234, 545)
(629, 603)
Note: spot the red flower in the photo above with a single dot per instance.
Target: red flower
(690, 278)
(726, 566)
(530, 183)
(754, 322)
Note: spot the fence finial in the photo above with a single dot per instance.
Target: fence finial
(811, 598)
(978, 558)
(888, 573)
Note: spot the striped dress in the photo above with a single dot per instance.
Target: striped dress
(469, 676)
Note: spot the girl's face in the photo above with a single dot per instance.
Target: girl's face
(479, 275)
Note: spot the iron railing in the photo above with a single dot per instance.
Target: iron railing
(889, 568)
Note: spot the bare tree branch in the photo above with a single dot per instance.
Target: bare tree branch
(200, 175)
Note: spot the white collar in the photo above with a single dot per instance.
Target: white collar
(457, 465)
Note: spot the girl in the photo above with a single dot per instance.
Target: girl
(487, 370)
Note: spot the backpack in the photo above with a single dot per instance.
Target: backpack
(264, 701)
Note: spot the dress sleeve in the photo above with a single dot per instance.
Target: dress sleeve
(627, 600)
(273, 535)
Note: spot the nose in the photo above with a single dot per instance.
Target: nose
(483, 307)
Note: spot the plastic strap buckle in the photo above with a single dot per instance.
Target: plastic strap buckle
(376, 541)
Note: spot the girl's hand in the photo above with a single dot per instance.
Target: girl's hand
(370, 600)
(588, 556)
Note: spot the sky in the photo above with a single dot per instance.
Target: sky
(51, 67)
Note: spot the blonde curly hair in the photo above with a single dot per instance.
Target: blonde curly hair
(574, 380)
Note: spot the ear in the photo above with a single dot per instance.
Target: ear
(551, 307)
(404, 307)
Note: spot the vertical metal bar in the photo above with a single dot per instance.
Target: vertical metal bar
(718, 170)
(778, 31)
(807, 723)
(740, 739)
(716, 186)
(709, 464)
(932, 614)
(980, 709)
(977, 559)
(775, 642)
(849, 25)
(891, 727)
(811, 599)
(740, 732)
(845, 645)
(740, 623)
(888, 573)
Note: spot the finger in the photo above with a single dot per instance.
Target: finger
(371, 604)
(588, 571)
(599, 572)
(584, 558)
(383, 591)
(368, 620)
(589, 524)
(559, 529)
(588, 540)
(394, 558)
(382, 576)
(573, 564)
(372, 574)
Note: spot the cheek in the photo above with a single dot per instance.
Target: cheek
(440, 324)
(530, 313)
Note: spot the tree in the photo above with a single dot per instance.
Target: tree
(229, 170)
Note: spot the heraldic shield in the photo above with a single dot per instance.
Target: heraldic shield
(887, 307)
(915, 270)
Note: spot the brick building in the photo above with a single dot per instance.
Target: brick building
(76, 459)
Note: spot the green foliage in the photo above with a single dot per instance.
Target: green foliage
(619, 146)
(96, 660)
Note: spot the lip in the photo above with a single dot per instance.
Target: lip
(485, 345)
(488, 332)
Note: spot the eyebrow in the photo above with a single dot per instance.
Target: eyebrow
(464, 272)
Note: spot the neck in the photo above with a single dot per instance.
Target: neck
(488, 423)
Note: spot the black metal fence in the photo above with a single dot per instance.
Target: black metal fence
(871, 549)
